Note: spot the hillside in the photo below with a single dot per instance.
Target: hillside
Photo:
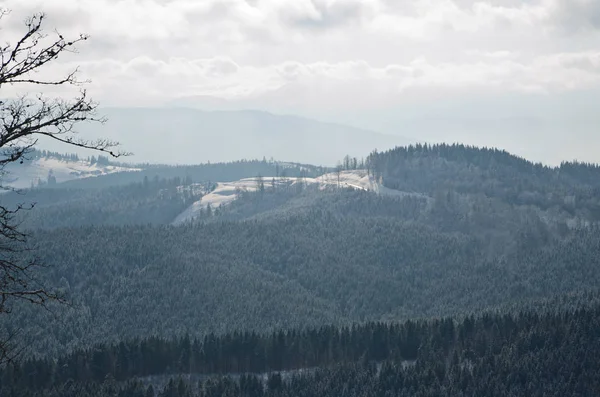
(346, 257)
(226, 192)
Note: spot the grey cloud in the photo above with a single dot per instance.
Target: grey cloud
(214, 12)
(574, 15)
(262, 35)
(290, 71)
(495, 3)
(220, 67)
(219, 10)
(588, 62)
(331, 14)
(67, 18)
(405, 8)
(56, 13)
(397, 71)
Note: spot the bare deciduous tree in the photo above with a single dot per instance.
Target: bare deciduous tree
(23, 120)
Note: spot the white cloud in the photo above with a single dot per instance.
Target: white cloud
(337, 54)
(143, 78)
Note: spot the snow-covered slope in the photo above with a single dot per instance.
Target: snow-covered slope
(359, 179)
(226, 192)
(31, 172)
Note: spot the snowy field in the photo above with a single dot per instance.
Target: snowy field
(22, 176)
(226, 192)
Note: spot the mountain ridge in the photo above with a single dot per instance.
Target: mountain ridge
(188, 135)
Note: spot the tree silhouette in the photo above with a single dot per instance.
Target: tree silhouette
(23, 120)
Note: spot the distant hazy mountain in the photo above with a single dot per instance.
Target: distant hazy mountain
(547, 128)
(184, 135)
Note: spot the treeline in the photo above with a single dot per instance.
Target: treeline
(37, 154)
(526, 353)
(587, 173)
(46, 154)
(243, 352)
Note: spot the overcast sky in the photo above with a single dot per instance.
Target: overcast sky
(371, 63)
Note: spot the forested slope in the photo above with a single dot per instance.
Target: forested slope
(151, 201)
(523, 353)
(290, 272)
(302, 256)
(434, 169)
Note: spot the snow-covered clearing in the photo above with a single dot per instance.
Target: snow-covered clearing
(226, 192)
(22, 176)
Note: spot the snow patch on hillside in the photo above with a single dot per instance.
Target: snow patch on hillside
(357, 179)
(22, 176)
(226, 192)
(360, 179)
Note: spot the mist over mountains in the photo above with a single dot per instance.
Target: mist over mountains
(192, 136)
(566, 124)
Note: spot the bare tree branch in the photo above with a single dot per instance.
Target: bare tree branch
(22, 121)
